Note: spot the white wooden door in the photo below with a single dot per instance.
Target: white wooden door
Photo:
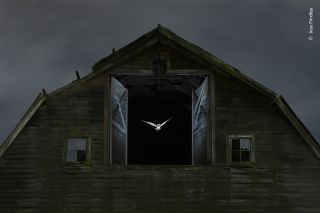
(200, 106)
(119, 115)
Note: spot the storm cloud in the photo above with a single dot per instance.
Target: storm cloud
(43, 42)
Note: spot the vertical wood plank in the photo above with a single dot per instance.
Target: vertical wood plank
(212, 127)
(200, 123)
(107, 121)
(119, 103)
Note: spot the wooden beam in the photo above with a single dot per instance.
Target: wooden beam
(294, 120)
(77, 74)
(212, 114)
(107, 121)
(44, 92)
(24, 121)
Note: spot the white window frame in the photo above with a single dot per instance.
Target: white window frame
(229, 150)
(88, 150)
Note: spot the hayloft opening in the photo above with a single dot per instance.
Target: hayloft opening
(140, 103)
(169, 145)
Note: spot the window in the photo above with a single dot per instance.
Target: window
(240, 149)
(160, 67)
(77, 150)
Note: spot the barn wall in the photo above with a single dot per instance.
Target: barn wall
(34, 177)
(286, 172)
(145, 59)
(33, 173)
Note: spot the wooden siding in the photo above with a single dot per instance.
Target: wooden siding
(32, 170)
(286, 171)
(144, 60)
(35, 178)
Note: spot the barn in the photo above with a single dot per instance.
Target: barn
(160, 125)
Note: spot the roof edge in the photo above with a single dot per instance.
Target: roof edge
(213, 62)
(163, 32)
(116, 54)
(22, 123)
(297, 123)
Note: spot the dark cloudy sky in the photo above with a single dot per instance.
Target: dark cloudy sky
(42, 42)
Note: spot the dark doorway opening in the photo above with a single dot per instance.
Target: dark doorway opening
(150, 98)
(172, 144)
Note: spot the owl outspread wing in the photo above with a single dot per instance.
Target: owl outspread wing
(150, 123)
(165, 122)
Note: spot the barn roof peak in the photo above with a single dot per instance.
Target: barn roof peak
(163, 35)
(158, 35)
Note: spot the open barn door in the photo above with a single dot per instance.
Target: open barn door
(119, 117)
(200, 107)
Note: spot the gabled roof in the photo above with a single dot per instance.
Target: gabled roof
(23, 122)
(162, 35)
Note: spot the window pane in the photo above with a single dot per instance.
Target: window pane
(71, 155)
(235, 156)
(77, 144)
(245, 144)
(81, 155)
(245, 156)
(235, 144)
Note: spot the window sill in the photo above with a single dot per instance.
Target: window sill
(76, 164)
(245, 165)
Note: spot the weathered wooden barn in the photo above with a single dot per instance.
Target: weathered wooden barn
(230, 145)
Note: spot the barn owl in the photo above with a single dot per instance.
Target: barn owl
(157, 126)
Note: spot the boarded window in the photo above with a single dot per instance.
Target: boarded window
(240, 149)
(77, 150)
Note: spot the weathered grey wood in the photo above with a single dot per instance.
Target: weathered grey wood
(200, 120)
(170, 40)
(28, 115)
(119, 113)
(34, 176)
(107, 121)
(212, 126)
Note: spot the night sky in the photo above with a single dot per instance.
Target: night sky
(43, 42)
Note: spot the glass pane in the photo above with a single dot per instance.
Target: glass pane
(235, 156)
(81, 155)
(245, 144)
(77, 144)
(71, 155)
(235, 144)
(245, 156)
